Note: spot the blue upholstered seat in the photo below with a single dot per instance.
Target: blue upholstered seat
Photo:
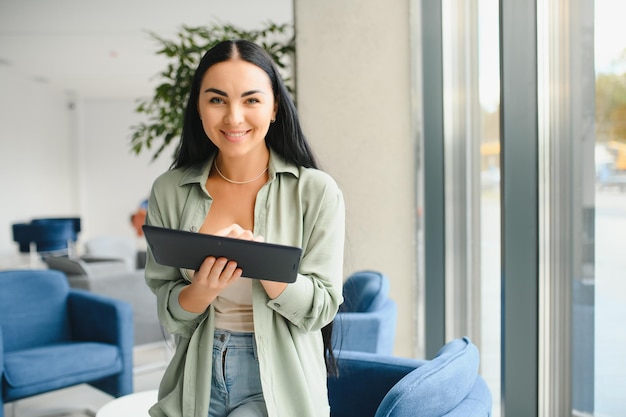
(53, 337)
(371, 385)
(367, 319)
(48, 234)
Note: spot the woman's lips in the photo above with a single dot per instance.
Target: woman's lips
(235, 136)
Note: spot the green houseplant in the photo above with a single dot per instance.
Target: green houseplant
(164, 110)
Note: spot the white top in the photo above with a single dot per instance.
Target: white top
(233, 307)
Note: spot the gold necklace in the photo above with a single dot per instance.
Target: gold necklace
(238, 182)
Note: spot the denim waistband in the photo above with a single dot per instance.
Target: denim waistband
(232, 339)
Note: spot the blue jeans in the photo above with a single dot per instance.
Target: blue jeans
(236, 384)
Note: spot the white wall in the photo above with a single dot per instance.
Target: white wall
(37, 155)
(68, 157)
(353, 86)
(113, 181)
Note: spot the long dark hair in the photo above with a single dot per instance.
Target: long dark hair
(284, 136)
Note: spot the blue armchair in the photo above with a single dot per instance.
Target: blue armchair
(366, 321)
(371, 385)
(53, 337)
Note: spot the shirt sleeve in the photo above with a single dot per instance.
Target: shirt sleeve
(313, 300)
(167, 282)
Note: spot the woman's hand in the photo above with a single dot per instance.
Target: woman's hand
(216, 274)
(213, 276)
(208, 282)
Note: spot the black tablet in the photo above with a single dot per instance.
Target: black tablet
(260, 260)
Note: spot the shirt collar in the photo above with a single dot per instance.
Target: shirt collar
(199, 173)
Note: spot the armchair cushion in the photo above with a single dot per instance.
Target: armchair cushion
(64, 364)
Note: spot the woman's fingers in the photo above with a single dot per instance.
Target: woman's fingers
(233, 230)
(229, 271)
(208, 282)
(217, 272)
(237, 232)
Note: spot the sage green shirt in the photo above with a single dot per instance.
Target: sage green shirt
(297, 206)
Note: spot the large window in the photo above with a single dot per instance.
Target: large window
(490, 271)
(527, 163)
(472, 178)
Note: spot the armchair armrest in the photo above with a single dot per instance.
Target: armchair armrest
(364, 380)
(97, 318)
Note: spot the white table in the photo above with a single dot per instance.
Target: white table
(136, 405)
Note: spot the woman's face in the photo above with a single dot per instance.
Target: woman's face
(236, 105)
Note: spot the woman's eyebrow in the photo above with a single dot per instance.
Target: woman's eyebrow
(216, 91)
(223, 94)
(251, 92)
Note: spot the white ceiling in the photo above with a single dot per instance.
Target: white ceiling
(101, 48)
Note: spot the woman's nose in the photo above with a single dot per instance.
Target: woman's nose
(234, 115)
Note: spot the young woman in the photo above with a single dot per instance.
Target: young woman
(243, 169)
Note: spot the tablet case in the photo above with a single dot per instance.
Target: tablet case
(260, 260)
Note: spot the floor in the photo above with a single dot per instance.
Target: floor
(149, 364)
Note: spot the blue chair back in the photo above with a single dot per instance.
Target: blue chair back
(48, 234)
(33, 308)
(365, 291)
(73, 222)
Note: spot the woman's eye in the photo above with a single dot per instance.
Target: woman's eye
(216, 100)
(252, 101)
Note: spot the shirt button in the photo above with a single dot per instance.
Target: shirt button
(277, 305)
(192, 229)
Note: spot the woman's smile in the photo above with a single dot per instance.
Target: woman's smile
(235, 136)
